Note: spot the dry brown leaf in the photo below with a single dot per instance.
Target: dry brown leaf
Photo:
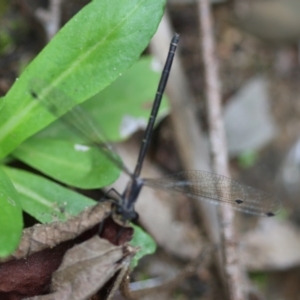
(39, 237)
(44, 246)
(85, 269)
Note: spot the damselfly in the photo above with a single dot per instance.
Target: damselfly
(197, 184)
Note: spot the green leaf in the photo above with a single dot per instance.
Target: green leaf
(247, 159)
(11, 222)
(112, 36)
(45, 200)
(144, 241)
(71, 163)
(1, 102)
(127, 103)
(52, 157)
(128, 98)
(260, 279)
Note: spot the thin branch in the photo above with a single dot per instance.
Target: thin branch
(231, 267)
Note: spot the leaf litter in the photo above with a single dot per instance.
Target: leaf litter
(85, 269)
(67, 260)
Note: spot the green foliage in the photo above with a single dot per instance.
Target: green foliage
(247, 159)
(45, 200)
(79, 65)
(74, 66)
(130, 96)
(3, 7)
(144, 241)
(260, 279)
(70, 163)
(5, 40)
(11, 216)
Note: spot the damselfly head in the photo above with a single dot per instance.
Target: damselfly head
(126, 214)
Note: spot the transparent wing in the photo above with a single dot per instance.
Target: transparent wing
(218, 189)
(75, 118)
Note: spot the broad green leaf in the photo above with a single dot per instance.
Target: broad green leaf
(45, 200)
(87, 54)
(11, 222)
(123, 107)
(144, 241)
(1, 102)
(71, 163)
(129, 100)
(108, 111)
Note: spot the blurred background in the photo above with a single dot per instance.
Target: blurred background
(259, 54)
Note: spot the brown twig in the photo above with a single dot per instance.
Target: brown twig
(231, 267)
